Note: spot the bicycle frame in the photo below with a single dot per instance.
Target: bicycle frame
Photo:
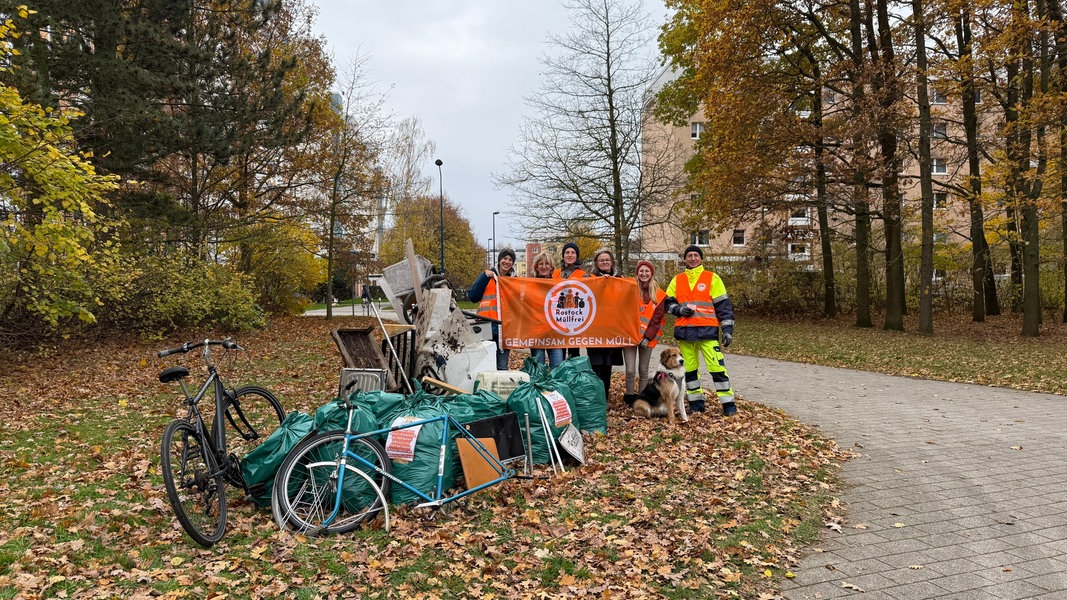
(217, 439)
(438, 499)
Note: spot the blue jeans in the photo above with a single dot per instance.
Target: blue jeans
(555, 356)
(501, 355)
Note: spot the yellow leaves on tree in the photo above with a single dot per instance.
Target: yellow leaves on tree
(50, 247)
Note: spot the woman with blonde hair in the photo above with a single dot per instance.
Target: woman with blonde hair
(602, 359)
(650, 313)
(542, 269)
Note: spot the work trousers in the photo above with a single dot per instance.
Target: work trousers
(716, 366)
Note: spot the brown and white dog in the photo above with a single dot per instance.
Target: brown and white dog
(665, 392)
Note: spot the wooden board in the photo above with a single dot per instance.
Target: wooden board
(476, 469)
(441, 384)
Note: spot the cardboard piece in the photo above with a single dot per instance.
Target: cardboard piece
(476, 469)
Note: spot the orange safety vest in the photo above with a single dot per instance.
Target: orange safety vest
(645, 312)
(488, 306)
(577, 274)
(698, 298)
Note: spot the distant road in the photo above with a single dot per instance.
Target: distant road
(386, 312)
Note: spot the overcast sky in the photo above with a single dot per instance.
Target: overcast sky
(463, 68)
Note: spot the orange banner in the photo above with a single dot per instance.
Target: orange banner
(593, 312)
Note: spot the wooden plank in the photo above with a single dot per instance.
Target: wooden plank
(441, 384)
(476, 469)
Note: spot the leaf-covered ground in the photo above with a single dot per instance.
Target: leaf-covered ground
(718, 508)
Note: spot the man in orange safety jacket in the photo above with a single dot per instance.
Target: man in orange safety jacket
(697, 297)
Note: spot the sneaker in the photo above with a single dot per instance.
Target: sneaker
(729, 409)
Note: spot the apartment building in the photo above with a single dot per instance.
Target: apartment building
(793, 233)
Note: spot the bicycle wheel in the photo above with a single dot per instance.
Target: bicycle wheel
(253, 414)
(194, 486)
(305, 488)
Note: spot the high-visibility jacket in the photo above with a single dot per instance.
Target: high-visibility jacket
(487, 307)
(697, 297)
(645, 314)
(577, 274)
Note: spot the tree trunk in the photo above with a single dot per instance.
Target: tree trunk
(822, 201)
(979, 248)
(859, 173)
(889, 85)
(926, 261)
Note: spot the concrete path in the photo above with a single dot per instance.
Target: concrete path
(958, 491)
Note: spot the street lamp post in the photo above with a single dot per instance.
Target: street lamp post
(489, 253)
(441, 207)
(495, 213)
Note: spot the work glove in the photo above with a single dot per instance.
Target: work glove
(643, 343)
(727, 339)
(681, 310)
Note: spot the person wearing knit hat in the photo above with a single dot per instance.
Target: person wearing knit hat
(650, 313)
(697, 297)
(483, 291)
(509, 253)
(570, 268)
(693, 248)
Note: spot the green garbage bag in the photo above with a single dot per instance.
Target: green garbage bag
(525, 400)
(333, 416)
(590, 401)
(259, 466)
(481, 404)
(421, 471)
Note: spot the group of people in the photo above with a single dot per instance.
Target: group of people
(696, 297)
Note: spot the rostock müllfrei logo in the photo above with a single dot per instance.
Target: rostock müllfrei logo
(570, 307)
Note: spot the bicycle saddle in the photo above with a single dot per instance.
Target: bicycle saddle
(173, 374)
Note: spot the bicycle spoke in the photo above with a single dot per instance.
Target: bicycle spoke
(195, 490)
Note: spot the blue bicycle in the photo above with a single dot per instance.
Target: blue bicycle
(336, 481)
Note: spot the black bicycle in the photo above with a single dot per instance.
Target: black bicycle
(196, 462)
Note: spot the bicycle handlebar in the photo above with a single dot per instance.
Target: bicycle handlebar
(187, 346)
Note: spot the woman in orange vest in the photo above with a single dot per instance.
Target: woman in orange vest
(650, 312)
(483, 291)
(570, 268)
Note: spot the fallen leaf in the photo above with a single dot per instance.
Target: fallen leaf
(851, 586)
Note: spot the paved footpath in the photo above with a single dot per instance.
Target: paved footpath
(961, 490)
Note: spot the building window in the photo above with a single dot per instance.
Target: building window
(939, 166)
(800, 216)
(699, 238)
(939, 130)
(939, 274)
(696, 130)
(940, 199)
(739, 237)
(936, 97)
(799, 251)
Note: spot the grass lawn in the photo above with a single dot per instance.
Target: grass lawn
(720, 508)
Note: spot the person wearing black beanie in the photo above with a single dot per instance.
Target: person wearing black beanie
(484, 292)
(570, 268)
(698, 299)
